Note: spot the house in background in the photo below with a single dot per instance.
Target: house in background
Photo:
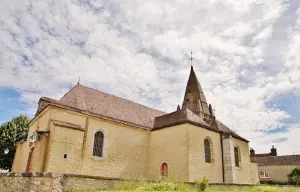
(275, 168)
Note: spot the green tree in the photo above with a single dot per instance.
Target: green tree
(11, 133)
(294, 177)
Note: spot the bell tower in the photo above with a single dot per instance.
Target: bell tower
(194, 98)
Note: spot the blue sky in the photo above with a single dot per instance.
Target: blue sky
(10, 104)
(247, 58)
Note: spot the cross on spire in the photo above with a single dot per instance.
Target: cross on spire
(191, 59)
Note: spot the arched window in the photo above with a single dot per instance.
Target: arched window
(207, 151)
(236, 157)
(98, 144)
(164, 170)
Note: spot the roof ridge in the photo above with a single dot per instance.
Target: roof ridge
(279, 156)
(121, 98)
(68, 91)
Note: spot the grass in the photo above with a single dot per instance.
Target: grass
(169, 186)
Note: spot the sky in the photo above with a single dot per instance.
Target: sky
(246, 57)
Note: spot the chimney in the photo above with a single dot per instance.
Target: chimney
(252, 152)
(273, 151)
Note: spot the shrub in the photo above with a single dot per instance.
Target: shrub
(272, 182)
(294, 177)
(128, 185)
(163, 186)
(201, 184)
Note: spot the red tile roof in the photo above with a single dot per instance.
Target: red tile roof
(262, 155)
(277, 160)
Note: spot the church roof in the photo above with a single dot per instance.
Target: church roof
(181, 116)
(194, 97)
(277, 160)
(100, 104)
(224, 129)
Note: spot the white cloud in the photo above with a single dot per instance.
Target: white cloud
(135, 49)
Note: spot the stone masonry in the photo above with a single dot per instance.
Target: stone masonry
(229, 164)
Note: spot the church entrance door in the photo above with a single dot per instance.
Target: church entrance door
(28, 168)
(164, 170)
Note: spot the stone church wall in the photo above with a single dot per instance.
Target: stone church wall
(243, 172)
(122, 157)
(66, 148)
(21, 156)
(197, 166)
(169, 145)
(128, 152)
(22, 151)
(125, 152)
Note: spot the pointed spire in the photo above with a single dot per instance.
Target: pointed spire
(178, 108)
(194, 98)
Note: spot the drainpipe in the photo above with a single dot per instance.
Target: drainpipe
(223, 171)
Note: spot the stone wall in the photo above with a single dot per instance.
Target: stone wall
(55, 182)
(30, 182)
(229, 164)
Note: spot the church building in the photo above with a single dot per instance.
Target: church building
(89, 132)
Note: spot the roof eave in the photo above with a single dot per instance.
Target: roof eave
(185, 121)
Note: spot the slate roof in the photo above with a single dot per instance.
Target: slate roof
(277, 160)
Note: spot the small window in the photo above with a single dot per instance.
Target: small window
(264, 174)
(236, 157)
(98, 144)
(164, 170)
(207, 151)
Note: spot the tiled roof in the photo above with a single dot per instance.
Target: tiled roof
(277, 160)
(227, 130)
(178, 117)
(96, 103)
(262, 155)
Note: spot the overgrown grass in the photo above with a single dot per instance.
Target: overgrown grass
(169, 186)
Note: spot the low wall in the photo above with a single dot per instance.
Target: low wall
(53, 182)
(56, 182)
(31, 182)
